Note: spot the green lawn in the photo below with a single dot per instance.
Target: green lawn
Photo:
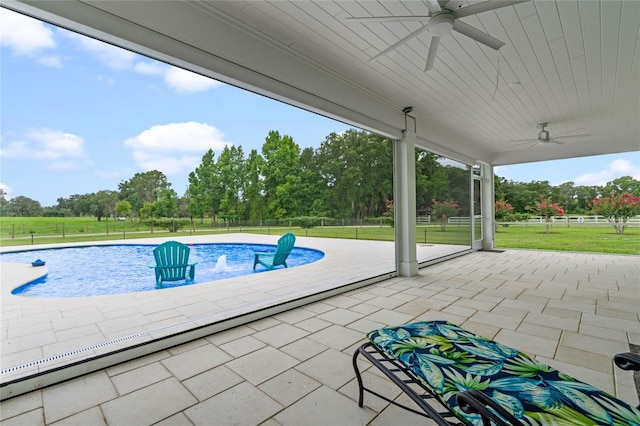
(579, 238)
(585, 238)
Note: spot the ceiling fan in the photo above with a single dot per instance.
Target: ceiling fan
(544, 137)
(443, 17)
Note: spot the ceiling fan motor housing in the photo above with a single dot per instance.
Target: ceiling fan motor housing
(441, 23)
(543, 135)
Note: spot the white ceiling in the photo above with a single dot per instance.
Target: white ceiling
(573, 64)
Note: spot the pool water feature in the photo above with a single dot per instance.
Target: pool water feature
(125, 268)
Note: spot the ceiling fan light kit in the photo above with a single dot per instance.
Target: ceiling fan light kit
(441, 24)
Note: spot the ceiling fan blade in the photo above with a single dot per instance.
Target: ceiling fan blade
(556, 141)
(433, 51)
(526, 144)
(575, 136)
(385, 18)
(400, 42)
(484, 7)
(477, 35)
(523, 140)
(433, 6)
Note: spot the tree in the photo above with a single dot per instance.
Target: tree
(183, 206)
(22, 206)
(584, 198)
(522, 196)
(432, 181)
(502, 211)
(204, 188)
(253, 188)
(444, 210)
(390, 213)
(143, 188)
(311, 201)
(458, 188)
(567, 193)
(547, 209)
(356, 168)
(123, 208)
(3, 203)
(618, 209)
(103, 203)
(167, 204)
(230, 169)
(622, 185)
(281, 170)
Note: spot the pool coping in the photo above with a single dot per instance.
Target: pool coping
(146, 269)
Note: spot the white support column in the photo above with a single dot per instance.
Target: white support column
(404, 176)
(488, 208)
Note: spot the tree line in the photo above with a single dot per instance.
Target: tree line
(349, 176)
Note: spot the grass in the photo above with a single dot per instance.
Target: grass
(577, 238)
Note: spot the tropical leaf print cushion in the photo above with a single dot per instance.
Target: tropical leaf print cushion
(451, 360)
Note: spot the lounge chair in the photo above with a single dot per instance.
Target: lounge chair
(172, 263)
(456, 377)
(279, 257)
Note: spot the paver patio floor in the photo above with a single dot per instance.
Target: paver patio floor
(572, 311)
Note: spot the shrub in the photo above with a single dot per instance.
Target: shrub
(519, 217)
(306, 222)
(170, 224)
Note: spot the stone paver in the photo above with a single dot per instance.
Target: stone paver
(148, 405)
(294, 368)
(262, 365)
(325, 406)
(241, 405)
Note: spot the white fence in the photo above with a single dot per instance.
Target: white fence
(423, 219)
(574, 220)
(567, 220)
(459, 220)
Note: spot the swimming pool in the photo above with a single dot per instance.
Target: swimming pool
(124, 268)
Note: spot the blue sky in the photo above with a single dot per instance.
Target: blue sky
(79, 116)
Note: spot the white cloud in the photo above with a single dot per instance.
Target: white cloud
(183, 81)
(24, 35)
(178, 79)
(616, 169)
(149, 68)
(113, 57)
(168, 165)
(175, 147)
(57, 149)
(7, 190)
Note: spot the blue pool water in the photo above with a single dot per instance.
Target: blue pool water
(114, 269)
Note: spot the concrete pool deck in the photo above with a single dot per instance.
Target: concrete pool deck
(40, 334)
(572, 311)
